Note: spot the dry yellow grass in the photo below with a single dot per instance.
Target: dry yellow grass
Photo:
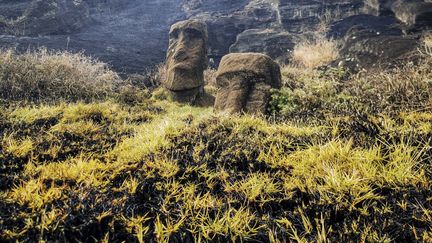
(315, 53)
(44, 76)
(156, 171)
(427, 41)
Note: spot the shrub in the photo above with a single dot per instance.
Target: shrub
(427, 43)
(156, 75)
(407, 87)
(210, 81)
(315, 53)
(306, 93)
(310, 94)
(47, 76)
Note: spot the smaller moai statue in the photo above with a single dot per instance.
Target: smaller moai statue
(244, 82)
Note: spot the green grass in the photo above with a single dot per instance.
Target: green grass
(142, 169)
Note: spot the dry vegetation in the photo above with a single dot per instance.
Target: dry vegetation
(342, 158)
(428, 44)
(317, 50)
(314, 53)
(48, 76)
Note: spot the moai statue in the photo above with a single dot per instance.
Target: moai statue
(186, 61)
(244, 81)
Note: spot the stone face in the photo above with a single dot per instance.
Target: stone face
(186, 61)
(187, 56)
(244, 81)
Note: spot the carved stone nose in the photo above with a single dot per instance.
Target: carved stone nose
(182, 38)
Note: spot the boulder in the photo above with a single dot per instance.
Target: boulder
(244, 82)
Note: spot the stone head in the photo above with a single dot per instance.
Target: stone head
(244, 81)
(187, 55)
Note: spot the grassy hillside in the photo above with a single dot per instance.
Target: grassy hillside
(86, 156)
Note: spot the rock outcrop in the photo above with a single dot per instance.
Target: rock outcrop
(47, 17)
(373, 42)
(275, 43)
(52, 17)
(414, 14)
(244, 81)
(130, 35)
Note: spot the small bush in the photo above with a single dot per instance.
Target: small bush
(156, 75)
(313, 94)
(307, 94)
(427, 43)
(210, 81)
(54, 76)
(407, 87)
(315, 53)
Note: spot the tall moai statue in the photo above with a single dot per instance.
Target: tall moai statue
(186, 61)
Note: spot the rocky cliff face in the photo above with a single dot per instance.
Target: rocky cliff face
(132, 35)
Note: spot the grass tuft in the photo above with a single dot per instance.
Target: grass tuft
(315, 53)
(54, 76)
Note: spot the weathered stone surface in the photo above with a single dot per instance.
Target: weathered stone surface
(220, 6)
(304, 15)
(382, 25)
(275, 43)
(227, 23)
(414, 14)
(130, 35)
(186, 62)
(244, 81)
(379, 7)
(186, 56)
(365, 49)
(48, 17)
